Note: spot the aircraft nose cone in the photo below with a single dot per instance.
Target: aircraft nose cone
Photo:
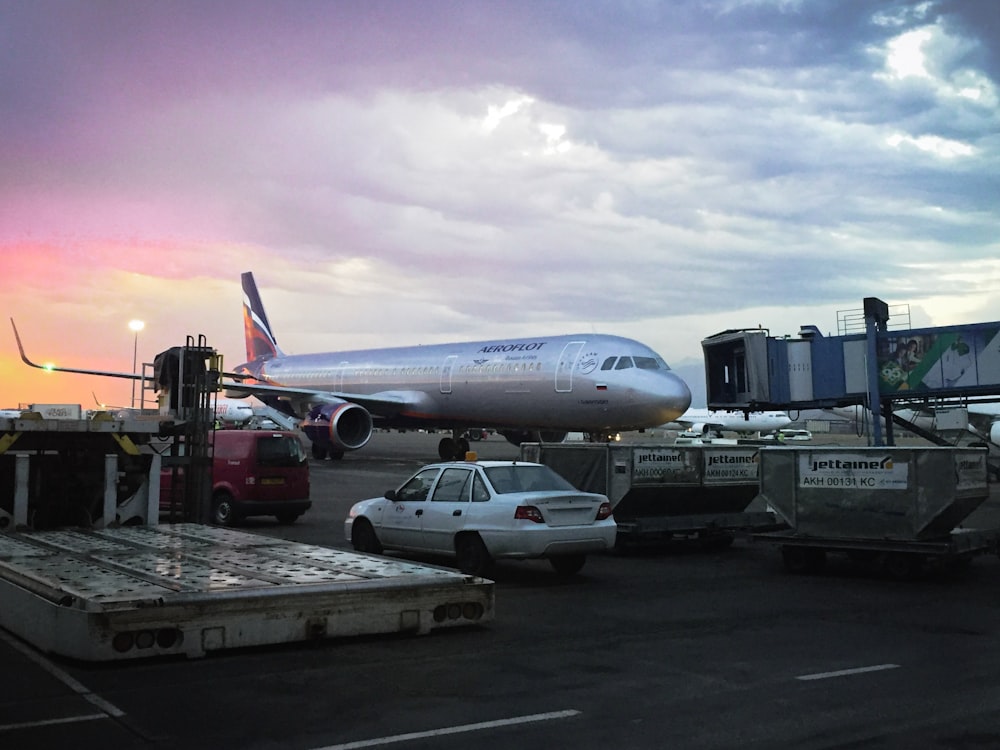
(674, 399)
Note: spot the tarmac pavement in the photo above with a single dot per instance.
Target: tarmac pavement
(672, 648)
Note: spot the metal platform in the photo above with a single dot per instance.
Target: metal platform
(186, 589)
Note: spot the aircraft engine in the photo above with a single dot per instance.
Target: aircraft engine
(516, 437)
(995, 433)
(335, 428)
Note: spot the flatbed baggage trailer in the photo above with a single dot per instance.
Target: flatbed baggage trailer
(899, 508)
(659, 492)
(187, 589)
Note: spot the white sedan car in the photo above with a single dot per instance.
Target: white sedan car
(482, 511)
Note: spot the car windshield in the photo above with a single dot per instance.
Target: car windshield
(526, 478)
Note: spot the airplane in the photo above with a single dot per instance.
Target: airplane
(240, 412)
(526, 388)
(233, 410)
(703, 421)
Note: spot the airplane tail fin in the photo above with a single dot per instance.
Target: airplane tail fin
(256, 328)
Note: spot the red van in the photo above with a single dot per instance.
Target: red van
(254, 473)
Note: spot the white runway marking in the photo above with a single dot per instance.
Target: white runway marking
(50, 722)
(108, 710)
(453, 730)
(846, 672)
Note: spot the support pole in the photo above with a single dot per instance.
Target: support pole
(876, 315)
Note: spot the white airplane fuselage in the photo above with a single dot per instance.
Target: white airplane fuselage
(552, 383)
(733, 420)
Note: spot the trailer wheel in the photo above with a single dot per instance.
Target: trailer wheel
(803, 560)
(718, 542)
(904, 566)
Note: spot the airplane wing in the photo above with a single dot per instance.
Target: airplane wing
(81, 371)
(384, 404)
(53, 368)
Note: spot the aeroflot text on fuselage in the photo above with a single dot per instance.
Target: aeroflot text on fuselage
(494, 348)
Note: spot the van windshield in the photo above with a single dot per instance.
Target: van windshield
(280, 450)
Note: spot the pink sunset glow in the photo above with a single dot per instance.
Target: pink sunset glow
(398, 173)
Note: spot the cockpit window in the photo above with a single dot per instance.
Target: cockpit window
(643, 363)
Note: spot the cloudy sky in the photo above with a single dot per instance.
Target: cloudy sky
(426, 171)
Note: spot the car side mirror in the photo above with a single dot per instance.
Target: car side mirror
(390, 495)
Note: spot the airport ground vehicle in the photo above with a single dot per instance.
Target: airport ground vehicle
(700, 490)
(90, 568)
(482, 511)
(254, 473)
(899, 509)
(788, 434)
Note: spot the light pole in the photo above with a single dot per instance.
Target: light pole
(135, 326)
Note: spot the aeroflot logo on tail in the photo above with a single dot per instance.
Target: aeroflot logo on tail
(533, 346)
(836, 463)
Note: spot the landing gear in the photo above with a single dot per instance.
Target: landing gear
(322, 450)
(453, 448)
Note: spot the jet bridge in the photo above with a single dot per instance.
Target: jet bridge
(751, 370)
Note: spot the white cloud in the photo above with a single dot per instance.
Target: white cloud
(932, 144)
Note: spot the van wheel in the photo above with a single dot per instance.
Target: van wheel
(473, 557)
(223, 510)
(363, 538)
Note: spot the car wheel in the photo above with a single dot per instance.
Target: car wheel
(567, 565)
(363, 538)
(473, 557)
(224, 510)
(287, 518)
